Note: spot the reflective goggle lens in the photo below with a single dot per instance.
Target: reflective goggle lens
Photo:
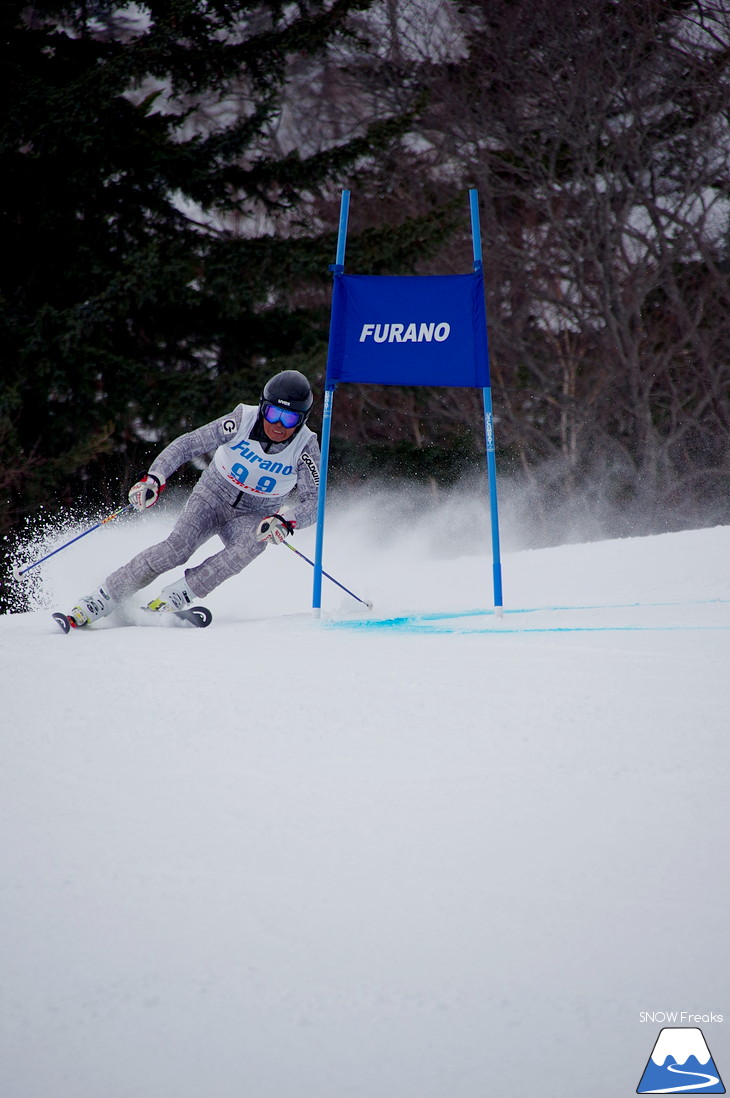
(285, 416)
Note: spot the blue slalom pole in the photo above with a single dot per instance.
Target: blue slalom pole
(476, 233)
(488, 425)
(493, 509)
(319, 543)
(342, 231)
(337, 270)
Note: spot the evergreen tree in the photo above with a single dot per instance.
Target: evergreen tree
(158, 263)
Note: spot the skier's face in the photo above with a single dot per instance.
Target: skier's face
(276, 432)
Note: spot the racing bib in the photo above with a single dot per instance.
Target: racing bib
(244, 464)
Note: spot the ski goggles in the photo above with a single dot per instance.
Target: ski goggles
(285, 416)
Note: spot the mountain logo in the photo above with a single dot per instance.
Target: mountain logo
(680, 1063)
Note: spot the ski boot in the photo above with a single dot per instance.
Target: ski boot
(172, 599)
(92, 607)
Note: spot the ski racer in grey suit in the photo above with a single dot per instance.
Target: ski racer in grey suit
(260, 455)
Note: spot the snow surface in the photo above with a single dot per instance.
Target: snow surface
(445, 857)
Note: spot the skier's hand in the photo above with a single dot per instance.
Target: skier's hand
(146, 491)
(274, 529)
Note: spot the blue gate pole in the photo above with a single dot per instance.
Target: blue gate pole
(337, 270)
(326, 428)
(493, 510)
(488, 426)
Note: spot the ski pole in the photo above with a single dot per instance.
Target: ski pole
(329, 577)
(18, 572)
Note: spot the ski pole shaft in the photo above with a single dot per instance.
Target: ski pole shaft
(329, 577)
(18, 572)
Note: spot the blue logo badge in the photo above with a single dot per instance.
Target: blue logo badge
(680, 1063)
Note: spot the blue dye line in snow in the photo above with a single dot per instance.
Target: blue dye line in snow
(411, 625)
(438, 615)
(426, 623)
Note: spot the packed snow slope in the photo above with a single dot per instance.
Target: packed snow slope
(415, 853)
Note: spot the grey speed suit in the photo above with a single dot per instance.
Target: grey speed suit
(228, 500)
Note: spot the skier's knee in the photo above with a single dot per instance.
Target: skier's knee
(178, 549)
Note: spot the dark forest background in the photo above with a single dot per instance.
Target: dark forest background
(170, 175)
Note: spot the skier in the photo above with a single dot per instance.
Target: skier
(260, 455)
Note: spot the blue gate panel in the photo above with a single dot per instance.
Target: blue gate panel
(412, 330)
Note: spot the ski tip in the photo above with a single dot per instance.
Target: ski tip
(198, 615)
(63, 622)
(67, 622)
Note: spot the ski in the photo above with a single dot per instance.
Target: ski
(65, 622)
(199, 616)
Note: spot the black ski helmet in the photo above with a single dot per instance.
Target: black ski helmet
(289, 390)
